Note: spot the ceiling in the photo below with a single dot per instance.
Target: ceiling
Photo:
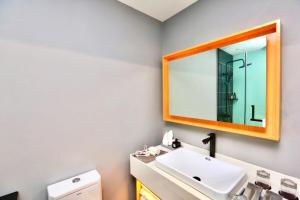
(246, 46)
(159, 9)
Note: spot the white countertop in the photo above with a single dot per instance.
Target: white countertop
(249, 168)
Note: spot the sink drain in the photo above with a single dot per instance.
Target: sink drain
(197, 178)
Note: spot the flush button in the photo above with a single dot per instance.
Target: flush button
(75, 180)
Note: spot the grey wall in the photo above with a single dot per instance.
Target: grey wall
(80, 89)
(210, 19)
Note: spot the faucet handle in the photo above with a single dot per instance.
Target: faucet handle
(211, 134)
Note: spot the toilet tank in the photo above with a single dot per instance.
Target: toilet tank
(85, 186)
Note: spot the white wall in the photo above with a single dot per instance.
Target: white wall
(193, 86)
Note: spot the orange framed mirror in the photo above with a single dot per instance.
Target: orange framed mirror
(269, 125)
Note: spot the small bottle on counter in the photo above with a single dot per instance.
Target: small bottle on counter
(176, 144)
(288, 189)
(263, 179)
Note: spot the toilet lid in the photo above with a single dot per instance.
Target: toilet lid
(73, 184)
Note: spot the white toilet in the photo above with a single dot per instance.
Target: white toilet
(85, 186)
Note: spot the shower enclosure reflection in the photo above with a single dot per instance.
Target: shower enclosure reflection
(227, 84)
(242, 82)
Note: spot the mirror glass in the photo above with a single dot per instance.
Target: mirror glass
(227, 84)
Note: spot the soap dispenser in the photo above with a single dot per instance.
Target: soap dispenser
(176, 143)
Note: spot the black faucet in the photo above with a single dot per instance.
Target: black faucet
(212, 145)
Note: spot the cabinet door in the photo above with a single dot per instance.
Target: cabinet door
(140, 187)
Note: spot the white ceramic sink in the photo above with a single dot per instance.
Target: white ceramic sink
(216, 179)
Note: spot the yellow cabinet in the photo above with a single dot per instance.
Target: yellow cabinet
(143, 193)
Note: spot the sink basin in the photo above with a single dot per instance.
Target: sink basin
(214, 178)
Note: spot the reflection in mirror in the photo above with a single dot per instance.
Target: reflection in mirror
(242, 82)
(226, 84)
(193, 86)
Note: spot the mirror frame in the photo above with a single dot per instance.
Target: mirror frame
(273, 83)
